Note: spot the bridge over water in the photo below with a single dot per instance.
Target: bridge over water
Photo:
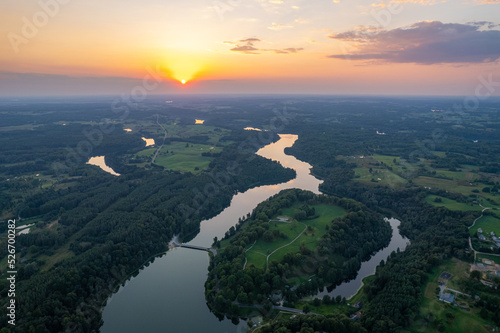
(175, 243)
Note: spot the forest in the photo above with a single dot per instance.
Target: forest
(348, 241)
(95, 229)
(377, 156)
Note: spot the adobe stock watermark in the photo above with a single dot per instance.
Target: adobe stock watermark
(31, 26)
(121, 107)
(308, 267)
(484, 89)
(222, 7)
(384, 15)
(201, 197)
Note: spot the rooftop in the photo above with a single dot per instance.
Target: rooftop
(447, 297)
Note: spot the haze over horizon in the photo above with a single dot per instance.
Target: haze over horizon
(393, 47)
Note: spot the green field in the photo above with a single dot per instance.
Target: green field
(458, 175)
(493, 258)
(258, 253)
(382, 176)
(452, 204)
(463, 187)
(182, 156)
(380, 173)
(457, 268)
(389, 170)
(434, 313)
(186, 131)
(175, 155)
(147, 152)
(174, 130)
(387, 159)
(488, 223)
(445, 184)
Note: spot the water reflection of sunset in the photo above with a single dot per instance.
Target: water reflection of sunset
(275, 152)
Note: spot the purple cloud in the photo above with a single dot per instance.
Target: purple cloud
(425, 43)
(249, 47)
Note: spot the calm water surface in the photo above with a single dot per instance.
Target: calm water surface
(348, 289)
(149, 142)
(168, 295)
(99, 161)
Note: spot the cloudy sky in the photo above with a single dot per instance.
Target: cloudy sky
(74, 47)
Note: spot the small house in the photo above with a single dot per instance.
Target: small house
(447, 298)
(356, 316)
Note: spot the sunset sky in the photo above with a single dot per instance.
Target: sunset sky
(75, 47)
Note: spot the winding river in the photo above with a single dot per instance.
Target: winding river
(168, 295)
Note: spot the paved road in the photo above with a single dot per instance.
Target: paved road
(277, 307)
(459, 292)
(164, 138)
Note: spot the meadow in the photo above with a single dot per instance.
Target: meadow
(310, 232)
(451, 204)
(393, 171)
(437, 316)
(488, 224)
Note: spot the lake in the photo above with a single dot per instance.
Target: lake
(99, 161)
(168, 295)
(149, 142)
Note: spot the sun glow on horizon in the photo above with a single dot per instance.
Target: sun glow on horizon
(184, 68)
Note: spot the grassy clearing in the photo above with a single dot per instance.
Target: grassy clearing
(463, 187)
(256, 258)
(262, 248)
(445, 184)
(457, 268)
(470, 167)
(186, 131)
(326, 214)
(434, 313)
(458, 175)
(315, 229)
(379, 173)
(495, 259)
(387, 159)
(439, 153)
(488, 223)
(149, 152)
(452, 204)
(186, 157)
(174, 130)
(327, 309)
(388, 170)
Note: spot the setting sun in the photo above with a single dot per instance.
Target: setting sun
(183, 68)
